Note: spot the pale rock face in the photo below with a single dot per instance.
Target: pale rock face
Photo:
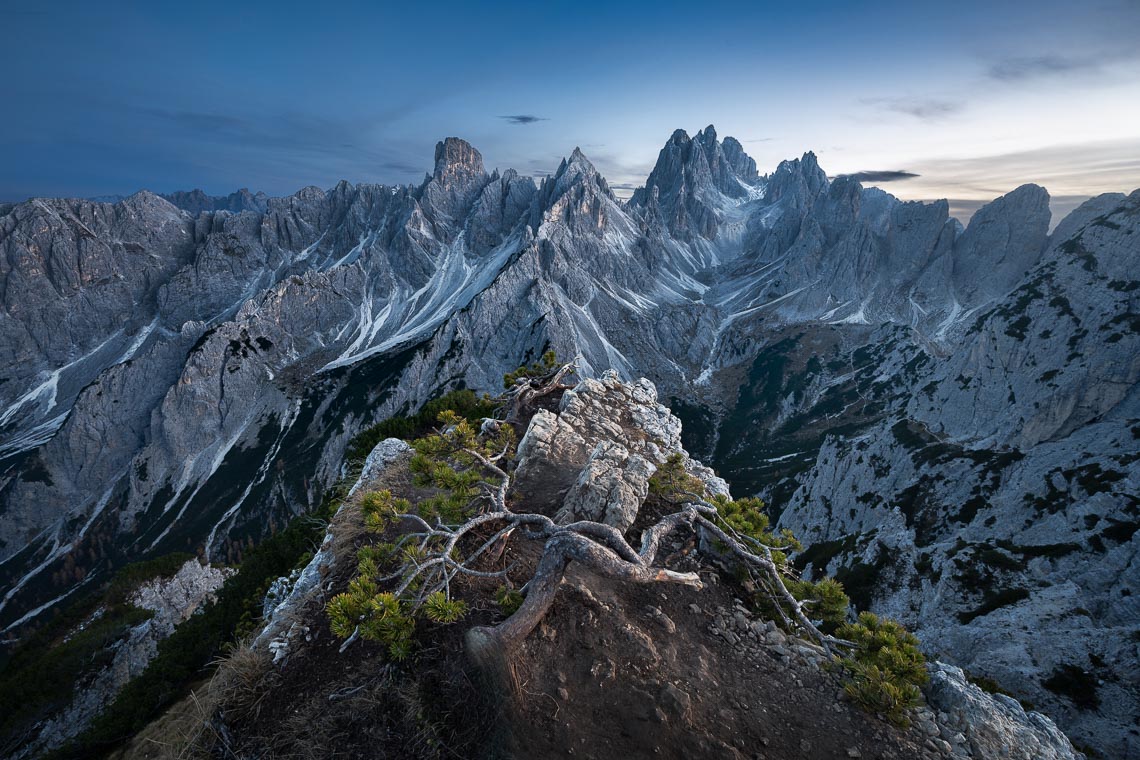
(995, 726)
(610, 489)
(379, 459)
(593, 460)
(172, 600)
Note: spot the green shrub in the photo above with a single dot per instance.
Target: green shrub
(885, 669)
(463, 402)
(825, 601)
(672, 481)
(440, 609)
(508, 599)
(445, 461)
(878, 691)
(747, 517)
(378, 616)
(545, 366)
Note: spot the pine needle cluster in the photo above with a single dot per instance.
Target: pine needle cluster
(886, 669)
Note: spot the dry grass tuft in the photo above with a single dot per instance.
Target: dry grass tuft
(242, 681)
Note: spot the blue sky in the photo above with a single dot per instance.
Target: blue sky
(973, 97)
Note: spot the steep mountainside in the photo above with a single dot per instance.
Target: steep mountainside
(946, 414)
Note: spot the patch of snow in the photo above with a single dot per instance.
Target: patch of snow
(857, 318)
(785, 457)
(453, 284)
(258, 478)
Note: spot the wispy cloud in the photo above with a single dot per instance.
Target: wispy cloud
(523, 118)
(758, 140)
(1060, 206)
(880, 175)
(1019, 69)
(1071, 173)
(920, 108)
(278, 150)
(1068, 169)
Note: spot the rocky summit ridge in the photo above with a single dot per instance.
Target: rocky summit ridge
(614, 669)
(948, 417)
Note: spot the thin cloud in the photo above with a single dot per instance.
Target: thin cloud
(1019, 69)
(1060, 206)
(920, 108)
(880, 175)
(201, 121)
(523, 118)
(759, 139)
(1070, 172)
(402, 166)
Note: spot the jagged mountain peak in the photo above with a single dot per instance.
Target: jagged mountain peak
(577, 169)
(698, 161)
(807, 164)
(1004, 240)
(742, 164)
(145, 203)
(1029, 198)
(457, 160)
(576, 194)
(456, 181)
(145, 196)
(707, 136)
(197, 201)
(800, 177)
(691, 181)
(576, 163)
(1020, 216)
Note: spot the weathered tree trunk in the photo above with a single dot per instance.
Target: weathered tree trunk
(488, 645)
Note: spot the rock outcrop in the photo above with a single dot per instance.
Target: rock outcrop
(655, 669)
(993, 725)
(593, 460)
(171, 600)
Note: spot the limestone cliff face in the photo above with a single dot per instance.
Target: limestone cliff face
(173, 378)
(170, 601)
(994, 500)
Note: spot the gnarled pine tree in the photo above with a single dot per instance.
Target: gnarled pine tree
(468, 522)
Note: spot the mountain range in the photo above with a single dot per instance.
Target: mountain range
(947, 417)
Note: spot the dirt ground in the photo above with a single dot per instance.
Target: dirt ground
(634, 672)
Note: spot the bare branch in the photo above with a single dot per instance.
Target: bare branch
(529, 389)
(765, 562)
(652, 537)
